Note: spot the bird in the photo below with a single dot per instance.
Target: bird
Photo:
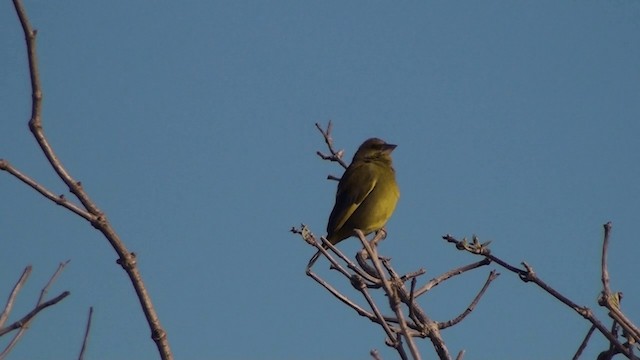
(367, 193)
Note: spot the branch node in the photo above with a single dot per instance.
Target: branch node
(128, 261)
(158, 334)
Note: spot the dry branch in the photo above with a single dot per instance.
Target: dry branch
(370, 272)
(23, 324)
(609, 300)
(88, 208)
(85, 339)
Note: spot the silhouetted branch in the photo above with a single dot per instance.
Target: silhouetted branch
(449, 274)
(375, 354)
(612, 300)
(23, 324)
(58, 199)
(528, 275)
(375, 272)
(85, 339)
(14, 293)
(583, 345)
(91, 212)
(335, 155)
(391, 292)
(492, 276)
(399, 329)
(604, 267)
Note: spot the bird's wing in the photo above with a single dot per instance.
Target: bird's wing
(356, 184)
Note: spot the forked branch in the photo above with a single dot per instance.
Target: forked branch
(87, 208)
(23, 324)
(608, 299)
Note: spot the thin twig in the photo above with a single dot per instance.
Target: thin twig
(85, 340)
(323, 246)
(335, 155)
(412, 276)
(14, 293)
(584, 343)
(27, 318)
(412, 297)
(58, 199)
(492, 276)
(52, 279)
(449, 274)
(375, 354)
(332, 261)
(604, 268)
(341, 297)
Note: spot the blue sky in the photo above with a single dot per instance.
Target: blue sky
(191, 125)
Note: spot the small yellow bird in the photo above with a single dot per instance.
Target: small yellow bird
(367, 193)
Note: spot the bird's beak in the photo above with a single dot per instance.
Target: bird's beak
(388, 147)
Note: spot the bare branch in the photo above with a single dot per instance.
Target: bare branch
(528, 275)
(375, 354)
(449, 274)
(14, 293)
(27, 318)
(341, 297)
(605, 271)
(58, 199)
(52, 279)
(323, 246)
(492, 276)
(583, 345)
(335, 155)
(612, 300)
(394, 300)
(85, 340)
(23, 323)
(429, 328)
(126, 259)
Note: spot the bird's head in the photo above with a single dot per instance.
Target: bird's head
(374, 149)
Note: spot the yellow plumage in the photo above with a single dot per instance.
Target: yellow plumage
(367, 192)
